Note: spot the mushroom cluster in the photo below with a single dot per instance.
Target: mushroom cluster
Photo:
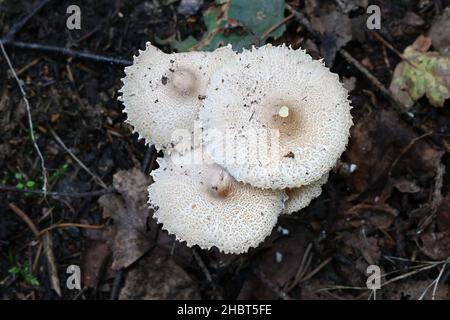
(247, 136)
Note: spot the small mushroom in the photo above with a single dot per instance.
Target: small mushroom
(162, 92)
(301, 197)
(203, 205)
(281, 89)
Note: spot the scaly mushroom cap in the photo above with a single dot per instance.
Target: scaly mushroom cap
(203, 205)
(163, 92)
(276, 89)
(301, 197)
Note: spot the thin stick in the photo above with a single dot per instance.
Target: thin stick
(74, 157)
(280, 293)
(17, 26)
(69, 225)
(66, 52)
(276, 26)
(30, 120)
(60, 194)
(25, 218)
(316, 270)
(207, 274)
(437, 282)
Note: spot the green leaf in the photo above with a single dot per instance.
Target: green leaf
(258, 16)
(18, 176)
(30, 184)
(185, 45)
(20, 185)
(255, 18)
(424, 73)
(14, 270)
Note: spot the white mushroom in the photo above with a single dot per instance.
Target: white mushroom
(301, 197)
(281, 89)
(203, 205)
(163, 92)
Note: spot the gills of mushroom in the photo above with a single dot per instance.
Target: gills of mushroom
(203, 205)
(162, 92)
(281, 91)
(300, 197)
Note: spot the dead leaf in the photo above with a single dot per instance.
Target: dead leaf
(405, 185)
(377, 140)
(93, 259)
(282, 260)
(440, 34)
(334, 25)
(436, 245)
(129, 210)
(413, 19)
(47, 244)
(158, 277)
(443, 214)
(413, 290)
(422, 74)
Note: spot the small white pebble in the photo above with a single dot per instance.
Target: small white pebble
(278, 257)
(283, 231)
(353, 167)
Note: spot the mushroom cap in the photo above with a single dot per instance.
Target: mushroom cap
(162, 92)
(203, 205)
(301, 197)
(281, 90)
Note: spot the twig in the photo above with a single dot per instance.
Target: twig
(21, 23)
(60, 194)
(47, 244)
(404, 151)
(276, 26)
(436, 197)
(391, 47)
(69, 225)
(280, 293)
(397, 105)
(317, 269)
(30, 120)
(74, 157)
(303, 21)
(433, 295)
(25, 218)
(65, 51)
(301, 269)
(207, 273)
(117, 284)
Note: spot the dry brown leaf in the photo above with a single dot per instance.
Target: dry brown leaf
(129, 235)
(440, 34)
(413, 290)
(158, 277)
(93, 259)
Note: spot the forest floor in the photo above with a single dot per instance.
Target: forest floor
(387, 201)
